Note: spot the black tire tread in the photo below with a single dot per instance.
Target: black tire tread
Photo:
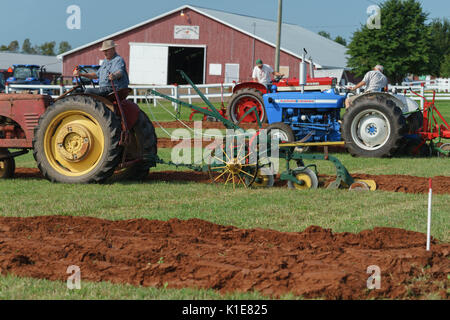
(146, 138)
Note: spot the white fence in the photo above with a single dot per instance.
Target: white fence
(186, 92)
(183, 92)
(439, 84)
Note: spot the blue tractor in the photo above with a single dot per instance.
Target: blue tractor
(27, 74)
(306, 117)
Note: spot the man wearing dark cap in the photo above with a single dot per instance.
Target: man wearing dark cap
(112, 68)
(262, 73)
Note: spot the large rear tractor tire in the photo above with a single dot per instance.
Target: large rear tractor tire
(373, 127)
(142, 146)
(242, 101)
(7, 166)
(77, 141)
(414, 122)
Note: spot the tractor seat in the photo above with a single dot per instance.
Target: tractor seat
(122, 93)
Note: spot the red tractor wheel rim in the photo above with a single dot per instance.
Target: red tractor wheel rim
(243, 105)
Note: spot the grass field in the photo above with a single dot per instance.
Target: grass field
(276, 208)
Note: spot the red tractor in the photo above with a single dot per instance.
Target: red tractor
(249, 94)
(77, 137)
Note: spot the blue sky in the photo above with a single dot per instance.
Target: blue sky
(45, 20)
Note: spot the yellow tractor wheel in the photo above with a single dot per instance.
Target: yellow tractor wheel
(77, 141)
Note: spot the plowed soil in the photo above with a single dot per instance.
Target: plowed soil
(315, 263)
(395, 183)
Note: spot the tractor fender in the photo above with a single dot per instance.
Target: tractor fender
(405, 104)
(130, 109)
(255, 85)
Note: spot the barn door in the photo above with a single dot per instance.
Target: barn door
(148, 63)
(231, 72)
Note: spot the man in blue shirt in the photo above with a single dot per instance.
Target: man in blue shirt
(112, 68)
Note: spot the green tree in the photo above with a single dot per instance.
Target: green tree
(27, 48)
(64, 46)
(13, 46)
(445, 67)
(47, 48)
(324, 34)
(341, 40)
(440, 33)
(3, 48)
(401, 45)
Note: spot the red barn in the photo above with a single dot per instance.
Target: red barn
(211, 46)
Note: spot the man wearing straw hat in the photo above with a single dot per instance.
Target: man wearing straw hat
(112, 68)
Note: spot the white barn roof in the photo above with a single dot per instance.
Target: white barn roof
(51, 63)
(326, 53)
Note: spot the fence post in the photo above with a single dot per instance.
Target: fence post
(135, 94)
(6, 89)
(177, 96)
(422, 93)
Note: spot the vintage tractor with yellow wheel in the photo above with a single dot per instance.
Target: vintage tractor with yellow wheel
(77, 137)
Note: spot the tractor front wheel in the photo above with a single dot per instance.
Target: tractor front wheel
(77, 141)
(7, 166)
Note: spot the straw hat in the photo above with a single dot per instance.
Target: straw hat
(107, 44)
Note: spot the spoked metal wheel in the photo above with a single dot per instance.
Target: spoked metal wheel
(370, 130)
(234, 165)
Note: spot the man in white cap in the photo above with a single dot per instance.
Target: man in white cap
(112, 68)
(374, 81)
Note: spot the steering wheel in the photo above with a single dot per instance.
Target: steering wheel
(80, 81)
(277, 78)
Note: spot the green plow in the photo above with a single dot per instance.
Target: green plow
(240, 163)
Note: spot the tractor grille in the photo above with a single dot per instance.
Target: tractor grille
(31, 120)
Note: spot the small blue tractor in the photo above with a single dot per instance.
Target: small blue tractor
(27, 74)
